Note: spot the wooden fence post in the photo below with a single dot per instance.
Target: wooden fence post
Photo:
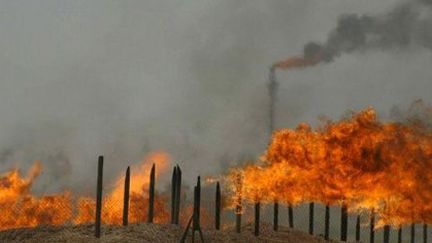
(276, 216)
(126, 198)
(238, 218)
(400, 234)
(199, 198)
(239, 209)
(197, 209)
(311, 218)
(218, 206)
(327, 222)
(290, 216)
(99, 197)
(151, 195)
(178, 195)
(358, 228)
(386, 233)
(344, 222)
(173, 194)
(257, 218)
(372, 227)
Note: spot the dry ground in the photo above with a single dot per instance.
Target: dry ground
(150, 233)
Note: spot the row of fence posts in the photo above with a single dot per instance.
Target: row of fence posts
(175, 201)
(195, 218)
(344, 224)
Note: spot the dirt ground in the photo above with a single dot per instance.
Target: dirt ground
(150, 233)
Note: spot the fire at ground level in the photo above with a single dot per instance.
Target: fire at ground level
(360, 162)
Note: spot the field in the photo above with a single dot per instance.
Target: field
(150, 233)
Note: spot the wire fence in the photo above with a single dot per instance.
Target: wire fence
(76, 216)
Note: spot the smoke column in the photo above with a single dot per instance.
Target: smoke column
(408, 24)
(272, 86)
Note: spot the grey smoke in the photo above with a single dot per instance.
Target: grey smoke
(418, 112)
(408, 24)
(123, 79)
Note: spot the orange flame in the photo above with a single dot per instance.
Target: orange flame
(112, 205)
(294, 62)
(361, 162)
(300, 62)
(22, 209)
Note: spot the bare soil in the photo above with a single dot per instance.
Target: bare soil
(152, 233)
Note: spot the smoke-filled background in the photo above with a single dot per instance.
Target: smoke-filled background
(124, 78)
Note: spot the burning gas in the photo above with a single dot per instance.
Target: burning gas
(20, 208)
(313, 54)
(360, 161)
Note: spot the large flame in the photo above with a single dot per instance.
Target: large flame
(361, 162)
(20, 208)
(112, 205)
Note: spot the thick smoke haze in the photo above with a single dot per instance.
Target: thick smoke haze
(406, 25)
(126, 78)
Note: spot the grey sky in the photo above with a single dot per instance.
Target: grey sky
(123, 78)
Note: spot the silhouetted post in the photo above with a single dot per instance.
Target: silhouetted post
(195, 219)
(218, 206)
(178, 195)
(99, 197)
(386, 233)
(173, 194)
(276, 216)
(199, 197)
(151, 195)
(424, 233)
(257, 218)
(327, 222)
(290, 216)
(238, 218)
(412, 233)
(238, 209)
(400, 234)
(344, 223)
(126, 198)
(372, 227)
(196, 214)
(272, 86)
(311, 218)
(358, 228)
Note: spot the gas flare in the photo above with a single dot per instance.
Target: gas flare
(313, 54)
(293, 62)
(361, 162)
(20, 208)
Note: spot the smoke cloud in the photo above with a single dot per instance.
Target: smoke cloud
(408, 24)
(80, 79)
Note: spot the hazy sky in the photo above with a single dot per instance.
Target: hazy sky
(123, 78)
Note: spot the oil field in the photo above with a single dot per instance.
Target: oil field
(181, 121)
